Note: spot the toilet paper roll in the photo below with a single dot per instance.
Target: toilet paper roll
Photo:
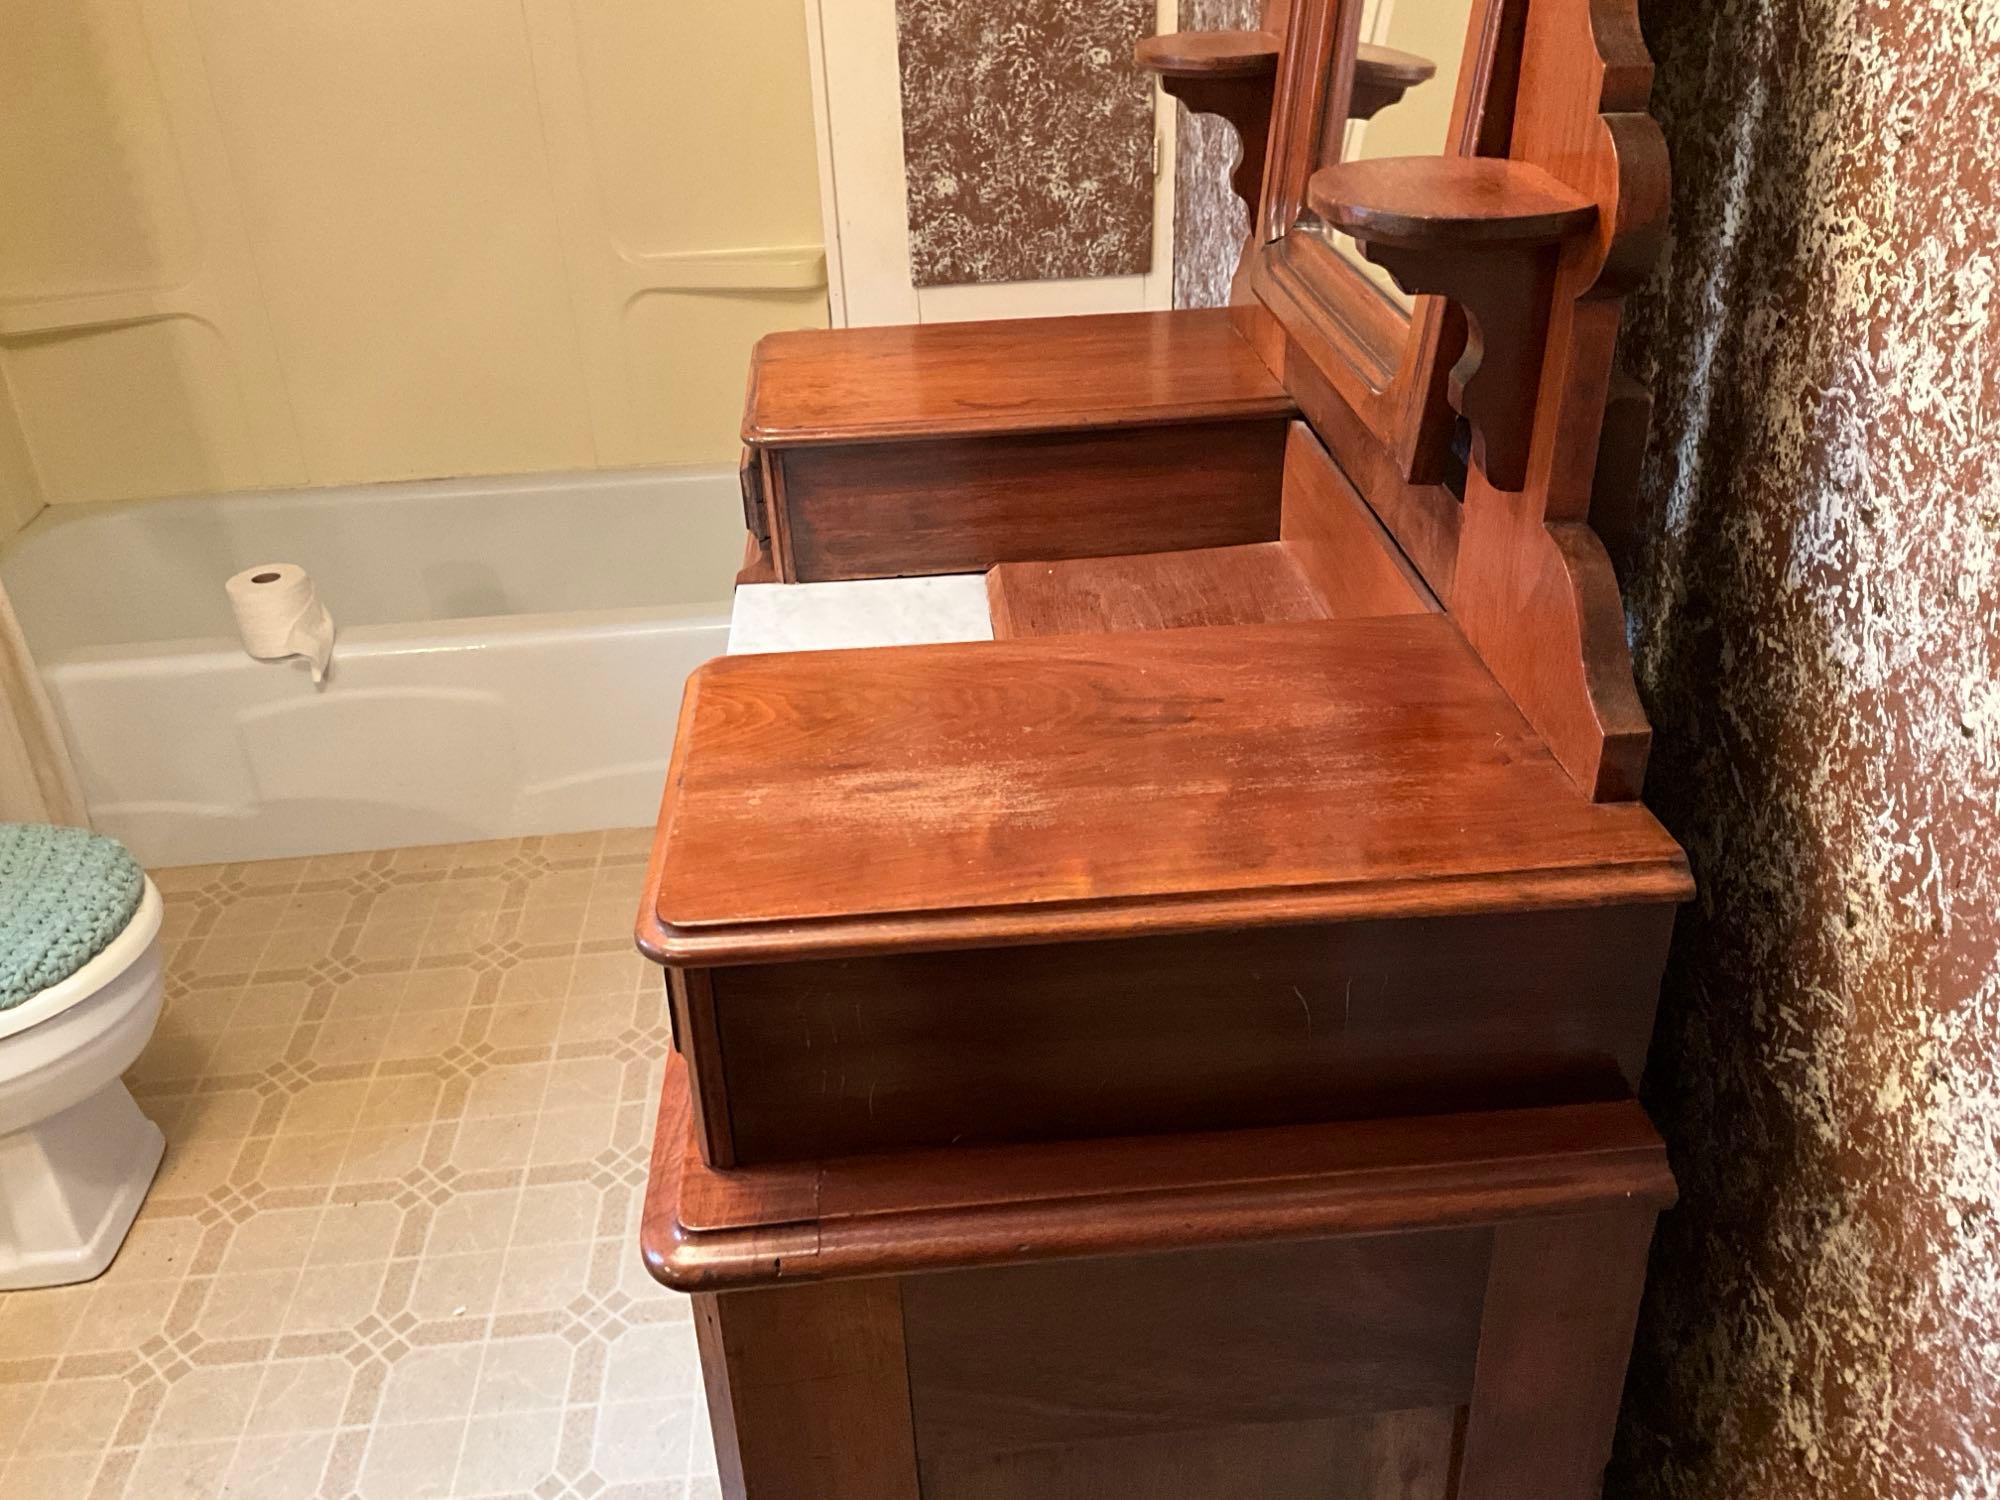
(278, 614)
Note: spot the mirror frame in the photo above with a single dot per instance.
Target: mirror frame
(1392, 372)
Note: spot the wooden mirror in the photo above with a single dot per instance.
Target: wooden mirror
(1368, 80)
(1406, 82)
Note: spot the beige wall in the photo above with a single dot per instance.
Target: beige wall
(20, 498)
(1418, 123)
(259, 242)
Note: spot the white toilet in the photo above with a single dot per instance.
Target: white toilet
(76, 1156)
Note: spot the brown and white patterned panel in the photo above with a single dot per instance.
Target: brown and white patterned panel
(1027, 139)
(1816, 621)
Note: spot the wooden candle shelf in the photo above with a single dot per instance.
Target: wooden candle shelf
(1486, 233)
(1226, 73)
(1449, 204)
(1210, 54)
(1188, 1043)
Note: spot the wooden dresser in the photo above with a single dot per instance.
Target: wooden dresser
(1187, 1045)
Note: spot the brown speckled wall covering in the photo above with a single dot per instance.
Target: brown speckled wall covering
(1027, 139)
(1816, 617)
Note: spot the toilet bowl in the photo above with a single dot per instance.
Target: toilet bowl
(76, 1155)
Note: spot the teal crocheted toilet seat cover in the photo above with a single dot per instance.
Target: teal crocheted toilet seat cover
(65, 893)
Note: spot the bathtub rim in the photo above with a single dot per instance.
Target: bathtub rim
(416, 637)
(373, 491)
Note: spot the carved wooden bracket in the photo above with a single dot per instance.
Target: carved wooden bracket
(1228, 73)
(1487, 233)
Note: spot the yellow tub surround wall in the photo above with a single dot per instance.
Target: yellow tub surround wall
(20, 497)
(254, 242)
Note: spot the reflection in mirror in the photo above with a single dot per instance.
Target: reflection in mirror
(1406, 80)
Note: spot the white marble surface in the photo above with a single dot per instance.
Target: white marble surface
(870, 612)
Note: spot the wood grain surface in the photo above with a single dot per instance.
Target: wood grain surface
(1020, 375)
(1257, 584)
(1231, 75)
(1354, 565)
(808, 1392)
(1485, 232)
(1562, 1297)
(1073, 787)
(1070, 1354)
(962, 504)
(1558, 89)
(1449, 202)
(1382, 1456)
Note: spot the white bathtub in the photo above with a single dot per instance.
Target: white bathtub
(510, 658)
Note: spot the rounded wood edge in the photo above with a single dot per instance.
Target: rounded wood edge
(1393, 65)
(922, 1244)
(1449, 202)
(985, 424)
(663, 1264)
(1659, 881)
(690, 1261)
(1210, 54)
(1626, 1170)
(655, 940)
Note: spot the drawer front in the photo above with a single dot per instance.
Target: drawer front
(960, 505)
(1206, 1031)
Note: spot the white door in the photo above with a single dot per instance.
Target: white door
(857, 106)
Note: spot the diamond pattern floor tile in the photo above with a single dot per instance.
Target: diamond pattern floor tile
(390, 1250)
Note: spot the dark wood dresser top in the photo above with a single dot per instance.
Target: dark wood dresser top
(936, 380)
(1089, 786)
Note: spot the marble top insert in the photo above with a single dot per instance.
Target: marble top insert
(771, 617)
